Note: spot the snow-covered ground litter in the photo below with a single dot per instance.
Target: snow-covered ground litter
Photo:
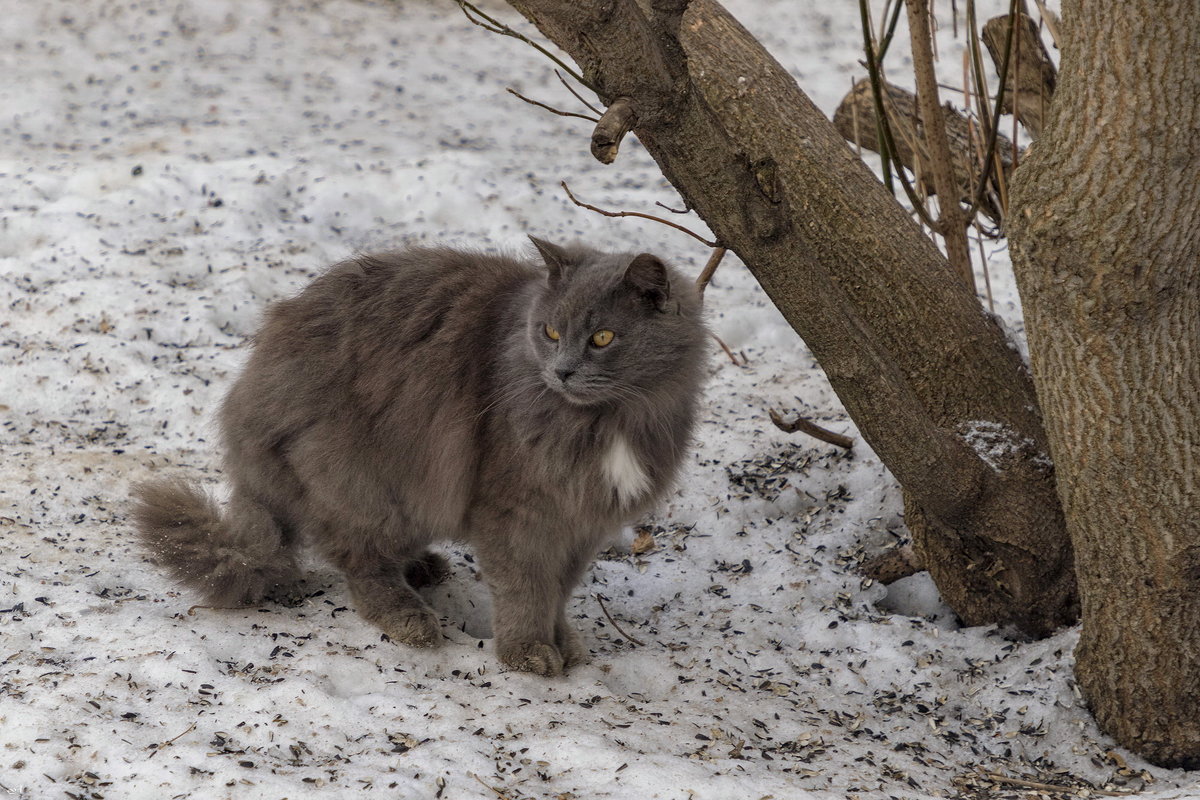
(168, 168)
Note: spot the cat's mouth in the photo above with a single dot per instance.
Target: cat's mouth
(575, 392)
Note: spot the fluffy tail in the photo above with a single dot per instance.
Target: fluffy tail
(233, 560)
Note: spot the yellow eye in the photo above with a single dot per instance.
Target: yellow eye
(602, 338)
(552, 333)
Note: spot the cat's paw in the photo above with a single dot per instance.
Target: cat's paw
(426, 569)
(287, 595)
(539, 658)
(415, 627)
(571, 646)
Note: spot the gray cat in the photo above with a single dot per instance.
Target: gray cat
(435, 394)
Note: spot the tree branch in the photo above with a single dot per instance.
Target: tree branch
(882, 313)
(551, 109)
(952, 221)
(812, 429)
(651, 217)
(706, 274)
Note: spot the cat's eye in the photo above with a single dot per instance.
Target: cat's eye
(552, 333)
(602, 338)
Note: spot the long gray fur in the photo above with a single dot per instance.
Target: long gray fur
(415, 396)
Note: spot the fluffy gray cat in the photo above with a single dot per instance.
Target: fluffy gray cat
(434, 394)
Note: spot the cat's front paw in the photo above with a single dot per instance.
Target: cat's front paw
(539, 658)
(414, 627)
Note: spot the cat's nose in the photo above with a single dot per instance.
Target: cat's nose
(564, 372)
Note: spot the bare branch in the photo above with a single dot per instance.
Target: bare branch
(494, 25)
(551, 109)
(812, 429)
(952, 222)
(683, 210)
(651, 217)
(578, 96)
(617, 120)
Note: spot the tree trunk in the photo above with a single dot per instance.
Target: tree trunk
(922, 370)
(1105, 231)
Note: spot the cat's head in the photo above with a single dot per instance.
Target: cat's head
(614, 327)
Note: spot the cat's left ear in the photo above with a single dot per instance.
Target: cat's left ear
(648, 275)
(555, 257)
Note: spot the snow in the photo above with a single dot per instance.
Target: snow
(169, 168)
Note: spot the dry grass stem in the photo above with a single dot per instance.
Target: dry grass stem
(172, 740)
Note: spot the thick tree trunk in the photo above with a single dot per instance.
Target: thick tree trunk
(1105, 231)
(923, 372)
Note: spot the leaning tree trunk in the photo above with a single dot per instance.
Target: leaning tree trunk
(1105, 230)
(921, 369)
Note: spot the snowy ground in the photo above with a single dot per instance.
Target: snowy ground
(168, 168)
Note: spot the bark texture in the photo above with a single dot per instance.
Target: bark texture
(1105, 233)
(906, 346)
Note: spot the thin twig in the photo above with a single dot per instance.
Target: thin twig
(551, 109)
(161, 745)
(951, 222)
(812, 429)
(651, 217)
(496, 26)
(706, 274)
(1050, 20)
(578, 96)
(1050, 787)
(600, 600)
(683, 210)
(729, 352)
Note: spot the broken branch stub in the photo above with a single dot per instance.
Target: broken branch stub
(617, 120)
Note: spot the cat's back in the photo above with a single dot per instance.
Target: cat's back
(381, 365)
(402, 296)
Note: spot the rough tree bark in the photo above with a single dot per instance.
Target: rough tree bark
(1105, 234)
(906, 346)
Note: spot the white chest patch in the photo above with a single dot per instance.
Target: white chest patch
(625, 472)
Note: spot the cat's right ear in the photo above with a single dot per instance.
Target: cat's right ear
(555, 257)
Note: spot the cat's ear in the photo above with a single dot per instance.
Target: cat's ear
(648, 275)
(555, 257)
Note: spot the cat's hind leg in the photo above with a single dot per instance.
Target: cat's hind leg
(379, 580)
(426, 568)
